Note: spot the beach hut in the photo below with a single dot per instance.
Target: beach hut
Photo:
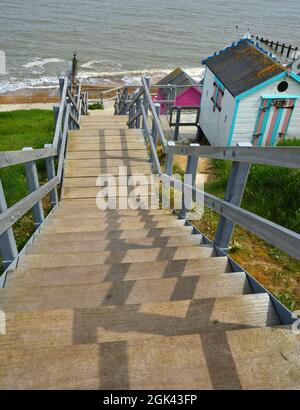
(249, 97)
(186, 94)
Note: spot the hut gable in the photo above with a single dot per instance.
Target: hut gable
(183, 96)
(176, 77)
(243, 66)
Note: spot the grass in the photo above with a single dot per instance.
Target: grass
(19, 129)
(271, 192)
(96, 106)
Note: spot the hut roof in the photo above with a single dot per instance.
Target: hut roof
(243, 66)
(177, 77)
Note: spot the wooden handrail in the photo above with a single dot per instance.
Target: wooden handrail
(10, 158)
(60, 113)
(156, 120)
(70, 96)
(288, 157)
(273, 233)
(11, 215)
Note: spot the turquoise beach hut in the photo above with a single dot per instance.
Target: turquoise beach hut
(249, 97)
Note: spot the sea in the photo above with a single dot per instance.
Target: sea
(120, 40)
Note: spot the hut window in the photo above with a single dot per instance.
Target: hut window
(283, 86)
(217, 96)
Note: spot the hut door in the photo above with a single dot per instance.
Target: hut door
(273, 120)
(261, 122)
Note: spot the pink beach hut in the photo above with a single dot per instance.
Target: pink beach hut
(186, 94)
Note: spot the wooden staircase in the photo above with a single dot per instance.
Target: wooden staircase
(132, 299)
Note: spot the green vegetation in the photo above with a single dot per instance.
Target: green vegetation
(19, 129)
(96, 106)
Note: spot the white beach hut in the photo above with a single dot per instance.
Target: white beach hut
(248, 97)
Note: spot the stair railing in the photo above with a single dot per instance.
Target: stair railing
(229, 209)
(241, 156)
(67, 117)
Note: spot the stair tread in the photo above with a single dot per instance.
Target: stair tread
(111, 170)
(113, 234)
(118, 256)
(122, 293)
(199, 361)
(79, 182)
(102, 162)
(108, 138)
(132, 153)
(27, 276)
(68, 211)
(110, 227)
(112, 220)
(58, 327)
(44, 246)
(104, 133)
(106, 147)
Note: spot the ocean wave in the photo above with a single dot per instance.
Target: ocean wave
(43, 82)
(91, 64)
(125, 77)
(41, 62)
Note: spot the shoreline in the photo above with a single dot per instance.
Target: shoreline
(42, 96)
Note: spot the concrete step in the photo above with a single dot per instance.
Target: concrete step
(191, 361)
(25, 276)
(19, 299)
(111, 257)
(43, 246)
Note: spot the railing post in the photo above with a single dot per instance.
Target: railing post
(131, 114)
(8, 247)
(234, 193)
(145, 102)
(61, 86)
(33, 184)
(169, 160)
(124, 100)
(50, 168)
(189, 179)
(86, 103)
(55, 114)
(178, 116)
(138, 109)
(154, 128)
